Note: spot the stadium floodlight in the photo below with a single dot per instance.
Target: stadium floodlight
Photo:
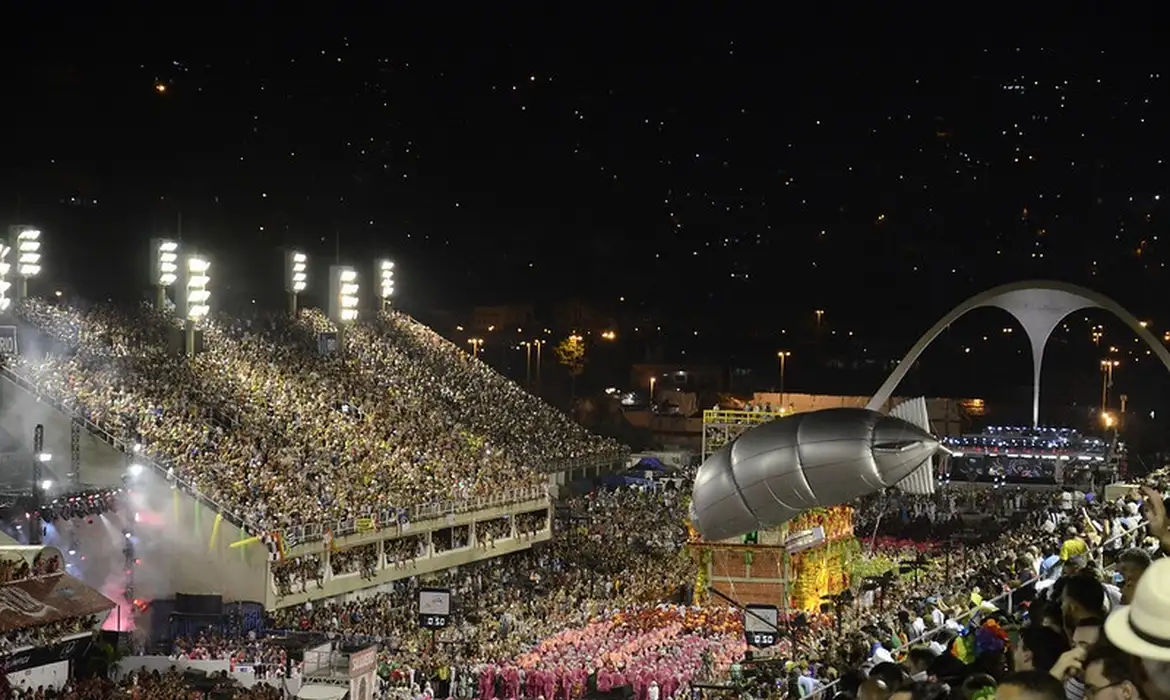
(296, 277)
(164, 267)
(27, 242)
(5, 271)
(343, 294)
(197, 290)
(385, 280)
(194, 296)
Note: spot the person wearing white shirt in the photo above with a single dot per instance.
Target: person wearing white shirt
(653, 691)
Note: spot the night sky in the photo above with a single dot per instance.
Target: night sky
(724, 176)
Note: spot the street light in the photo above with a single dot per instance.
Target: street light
(385, 281)
(539, 344)
(609, 335)
(783, 355)
(28, 251)
(164, 268)
(1107, 381)
(296, 278)
(476, 344)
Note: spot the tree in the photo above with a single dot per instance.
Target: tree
(570, 352)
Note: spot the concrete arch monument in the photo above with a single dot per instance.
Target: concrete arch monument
(1039, 306)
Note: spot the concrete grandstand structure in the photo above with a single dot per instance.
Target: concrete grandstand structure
(187, 542)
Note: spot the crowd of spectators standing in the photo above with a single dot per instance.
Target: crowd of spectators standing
(618, 555)
(171, 685)
(275, 431)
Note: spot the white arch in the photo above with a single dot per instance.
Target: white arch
(1039, 305)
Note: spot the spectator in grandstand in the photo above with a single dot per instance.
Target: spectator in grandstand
(1131, 564)
(1038, 648)
(1142, 631)
(1029, 685)
(272, 430)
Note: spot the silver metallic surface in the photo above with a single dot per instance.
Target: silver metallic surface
(771, 473)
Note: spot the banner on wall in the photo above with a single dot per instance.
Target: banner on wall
(65, 650)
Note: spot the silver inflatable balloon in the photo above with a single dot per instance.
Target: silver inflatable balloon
(771, 473)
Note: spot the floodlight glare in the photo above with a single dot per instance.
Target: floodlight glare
(386, 279)
(198, 295)
(135, 469)
(168, 263)
(343, 294)
(44, 457)
(28, 246)
(5, 270)
(299, 272)
(46, 484)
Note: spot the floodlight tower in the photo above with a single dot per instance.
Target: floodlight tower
(5, 276)
(296, 278)
(164, 268)
(27, 241)
(386, 282)
(195, 296)
(343, 300)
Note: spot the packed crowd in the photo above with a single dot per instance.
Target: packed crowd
(45, 634)
(519, 615)
(171, 685)
(272, 429)
(605, 605)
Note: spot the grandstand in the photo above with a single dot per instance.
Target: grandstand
(263, 469)
(1031, 456)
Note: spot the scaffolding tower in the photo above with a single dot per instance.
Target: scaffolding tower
(721, 427)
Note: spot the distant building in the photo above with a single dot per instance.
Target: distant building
(508, 316)
(580, 317)
(696, 378)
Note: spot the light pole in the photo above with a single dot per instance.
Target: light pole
(343, 300)
(527, 345)
(783, 355)
(1107, 381)
(195, 290)
(820, 317)
(296, 278)
(539, 344)
(164, 268)
(28, 261)
(476, 344)
(385, 282)
(652, 381)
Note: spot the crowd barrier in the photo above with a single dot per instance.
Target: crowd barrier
(310, 532)
(1098, 552)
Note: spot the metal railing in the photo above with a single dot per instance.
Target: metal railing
(376, 521)
(380, 519)
(718, 416)
(1098, 552)
(587, 461)
(139, 456)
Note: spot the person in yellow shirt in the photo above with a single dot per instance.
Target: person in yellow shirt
(1073, 546)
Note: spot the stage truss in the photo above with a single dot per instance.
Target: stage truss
(721, 427)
